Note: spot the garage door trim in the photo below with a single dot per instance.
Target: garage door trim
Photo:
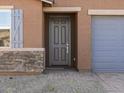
(105, 12)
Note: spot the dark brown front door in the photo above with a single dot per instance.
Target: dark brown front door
(59, 40)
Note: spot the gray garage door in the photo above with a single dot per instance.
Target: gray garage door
(108, 43)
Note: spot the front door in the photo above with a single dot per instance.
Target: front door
(59, 41)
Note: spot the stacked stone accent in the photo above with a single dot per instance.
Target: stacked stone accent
(22, 60)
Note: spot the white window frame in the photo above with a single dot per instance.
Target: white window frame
(10, 9)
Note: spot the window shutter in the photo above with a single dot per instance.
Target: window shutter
(17, 29)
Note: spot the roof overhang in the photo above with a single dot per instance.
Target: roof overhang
(48, 1)
(61, 9)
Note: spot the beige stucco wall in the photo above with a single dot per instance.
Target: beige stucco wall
(32, 20)
(84, 24)
(33, 31)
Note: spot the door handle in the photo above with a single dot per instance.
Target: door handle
(67, 48)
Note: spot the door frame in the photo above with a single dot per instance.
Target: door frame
(73, 17)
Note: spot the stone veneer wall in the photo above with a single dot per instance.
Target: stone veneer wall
(22, 60)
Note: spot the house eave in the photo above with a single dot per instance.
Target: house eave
(46, 1)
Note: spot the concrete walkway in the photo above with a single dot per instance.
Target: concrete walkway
(64, 82)
(112, 82)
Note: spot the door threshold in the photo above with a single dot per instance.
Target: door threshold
(59, 67)
(54, 68)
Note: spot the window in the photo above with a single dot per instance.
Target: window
(11, 28)
(5, 27)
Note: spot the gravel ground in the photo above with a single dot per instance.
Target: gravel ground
(52, 82)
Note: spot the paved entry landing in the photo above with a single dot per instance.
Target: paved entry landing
(64, 82)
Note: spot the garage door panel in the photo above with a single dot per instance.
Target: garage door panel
(109, 31)
(106, 58)
(108, 43)
(102, 38)
(109, 70)
(108, 67)
(108, 19)
(106, 54)
(105, 48)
